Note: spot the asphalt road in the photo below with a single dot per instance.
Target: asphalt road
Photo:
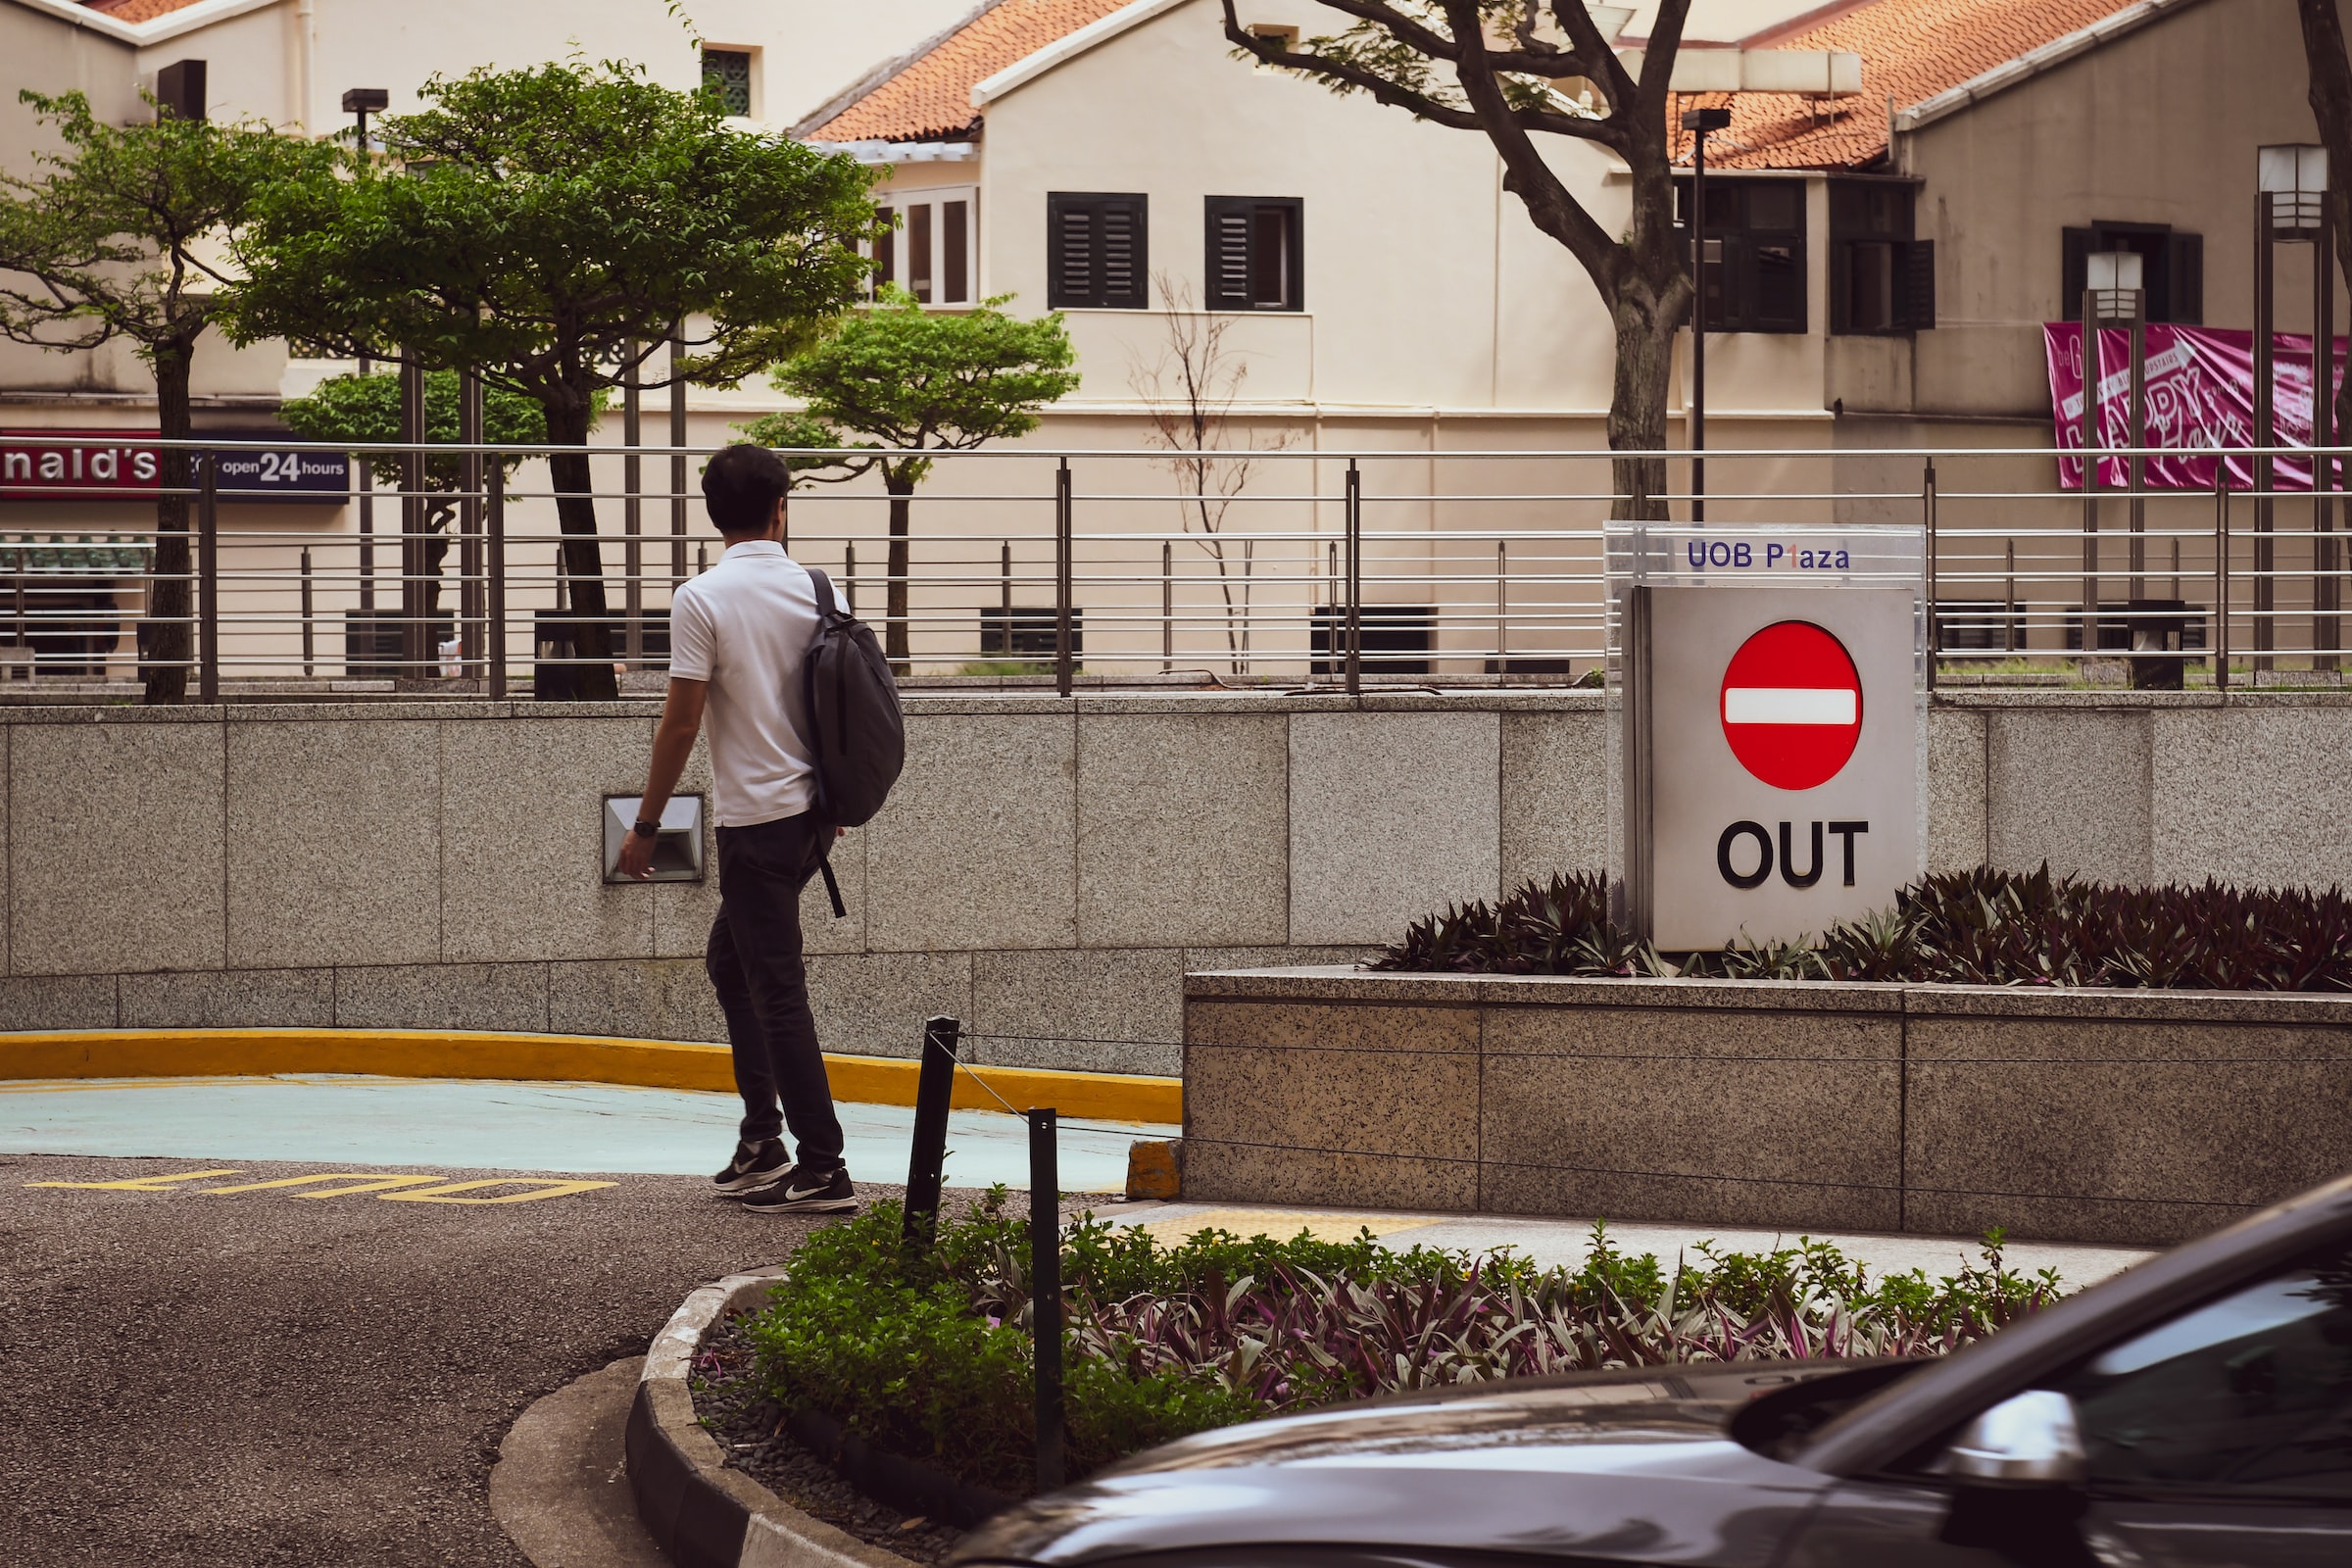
(261, 1377)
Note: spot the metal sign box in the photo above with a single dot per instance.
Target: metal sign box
(1768, 735)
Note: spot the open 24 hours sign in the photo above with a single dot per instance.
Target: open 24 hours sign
(82, 465)
(1773, 728)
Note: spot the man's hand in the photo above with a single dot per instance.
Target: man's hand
(636, 856)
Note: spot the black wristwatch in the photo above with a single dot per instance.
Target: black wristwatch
(647, 830)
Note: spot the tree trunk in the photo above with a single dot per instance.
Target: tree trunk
(1637, 406)
(166, 636)
(894, 631)
(2331, 107)
(583, 562)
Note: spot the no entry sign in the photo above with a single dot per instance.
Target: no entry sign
(1771, 726)
(1791, 705)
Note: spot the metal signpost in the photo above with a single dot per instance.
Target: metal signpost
(1768, 735)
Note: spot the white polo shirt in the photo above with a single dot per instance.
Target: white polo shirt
(745, 626)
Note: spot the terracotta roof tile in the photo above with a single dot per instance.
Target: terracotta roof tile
(1910, 49)
(136, 9)
(930, 97)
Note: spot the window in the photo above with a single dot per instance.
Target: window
(1096, 251)
(1882, 281)
(2249, 1396)
(727, 73)
(1756, 283)
(930, 251)
(2171, 277)
(1253, 253)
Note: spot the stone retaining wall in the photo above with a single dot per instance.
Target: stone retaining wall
(2130, 1116)
(1048, 872)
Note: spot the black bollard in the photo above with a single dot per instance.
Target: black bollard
(926, 1162)
(1045, 1293)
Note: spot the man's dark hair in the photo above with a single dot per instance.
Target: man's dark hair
(742, 485)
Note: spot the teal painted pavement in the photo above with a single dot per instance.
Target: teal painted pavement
(598, 1128)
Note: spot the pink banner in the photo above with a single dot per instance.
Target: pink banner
(2200, 399)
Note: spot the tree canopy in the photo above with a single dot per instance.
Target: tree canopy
(901, 377)
(550, 227)
(122, 234)
(1496, 67)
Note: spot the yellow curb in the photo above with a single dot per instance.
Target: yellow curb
(545, 1059)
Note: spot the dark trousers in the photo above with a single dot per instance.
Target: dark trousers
(754, 963)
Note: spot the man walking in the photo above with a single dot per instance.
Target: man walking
(738, 635)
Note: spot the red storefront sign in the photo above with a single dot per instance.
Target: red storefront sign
(79, 465)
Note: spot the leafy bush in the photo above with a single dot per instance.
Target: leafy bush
(927, 1354)
(1980, 927)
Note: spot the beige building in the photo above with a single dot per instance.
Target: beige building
(1894, 243)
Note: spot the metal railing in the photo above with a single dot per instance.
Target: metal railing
(1313, 568)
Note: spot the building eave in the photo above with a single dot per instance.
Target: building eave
(842, 101)
(2035, 62)
(141, 34)
(1069, 47)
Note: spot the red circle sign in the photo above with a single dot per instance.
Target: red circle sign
(1791, 705)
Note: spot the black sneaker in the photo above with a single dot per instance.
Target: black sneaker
(753, 1166)
(830, 1195)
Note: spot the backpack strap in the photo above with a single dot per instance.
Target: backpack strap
(825, 601)
(841, 910)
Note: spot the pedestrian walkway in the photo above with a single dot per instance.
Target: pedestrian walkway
(1551, 1242)
(491, 1125)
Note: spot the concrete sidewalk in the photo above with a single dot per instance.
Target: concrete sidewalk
(1550, 1241)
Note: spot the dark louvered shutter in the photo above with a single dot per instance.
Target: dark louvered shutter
(1915, 283)
(1098, 251)
(1229, 272)
(2184, 281)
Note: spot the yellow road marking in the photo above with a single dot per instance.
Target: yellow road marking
(141, 1184)
(440, 1195)
(361, 1182)
(1278, 1224)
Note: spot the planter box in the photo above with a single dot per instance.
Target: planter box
(2127, 1116)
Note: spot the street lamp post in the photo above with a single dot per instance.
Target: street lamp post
(2114, 295)
(2291, 208)
(359, 102)
(1698, 122)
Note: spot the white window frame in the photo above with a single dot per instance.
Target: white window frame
(901, 240)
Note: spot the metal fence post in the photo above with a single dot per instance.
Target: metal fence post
(494, 586)
(208, 577)
(926, 1161)
(1354, 515)
(1927, 502)
(309, 659)
(1167, 606)
(1063, 661)
(677, 459)
(2221, 571)
(1045, 1295)
(470, 637)
(632, 516)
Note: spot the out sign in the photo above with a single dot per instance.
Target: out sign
(1781, 767)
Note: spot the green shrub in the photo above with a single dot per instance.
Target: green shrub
(1980, 927)
(926, 1354)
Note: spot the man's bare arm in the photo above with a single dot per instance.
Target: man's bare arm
(673, 743)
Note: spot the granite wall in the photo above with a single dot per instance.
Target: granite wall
(1048, 870)
(2140, 1117)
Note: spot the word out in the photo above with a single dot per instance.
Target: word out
(1845, 832)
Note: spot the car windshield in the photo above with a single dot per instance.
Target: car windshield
(2250, 1395)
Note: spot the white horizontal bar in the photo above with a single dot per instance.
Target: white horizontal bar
(1789, 705)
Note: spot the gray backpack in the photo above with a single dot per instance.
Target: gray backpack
(858, 735)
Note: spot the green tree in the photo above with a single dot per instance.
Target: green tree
(119, 235)
(1488, 66)
(903, 377)
(359, 411)
(550, 227)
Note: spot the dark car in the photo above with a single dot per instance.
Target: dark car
(2194, 1412)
